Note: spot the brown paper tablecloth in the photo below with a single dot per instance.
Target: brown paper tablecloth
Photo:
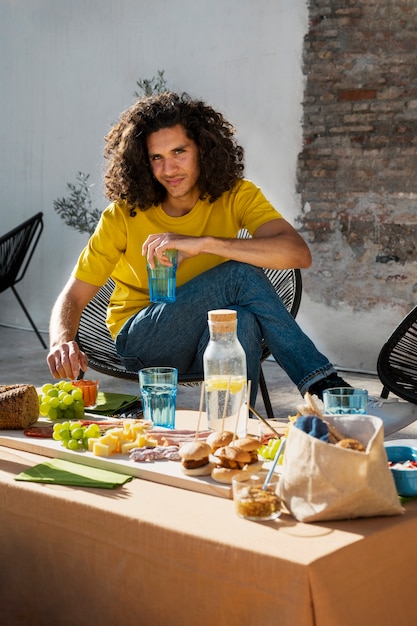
(152, 554)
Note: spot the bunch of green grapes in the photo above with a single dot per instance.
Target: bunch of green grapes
(75, 436)
(61, 401)
(269, 450)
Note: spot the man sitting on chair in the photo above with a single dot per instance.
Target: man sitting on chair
(175, 181)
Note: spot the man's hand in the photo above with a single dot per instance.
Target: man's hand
(66, 360)
(157, 245)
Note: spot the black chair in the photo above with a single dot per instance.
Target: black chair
(16, 251)
(397, 360)
(95, 340)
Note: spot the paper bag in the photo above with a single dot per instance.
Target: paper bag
(321, 481)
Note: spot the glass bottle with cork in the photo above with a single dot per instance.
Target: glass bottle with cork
(225, 377)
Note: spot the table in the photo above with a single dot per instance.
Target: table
(150, 554)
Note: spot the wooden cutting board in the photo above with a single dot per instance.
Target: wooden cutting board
(165, 472)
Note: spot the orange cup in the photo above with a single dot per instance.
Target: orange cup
(89, 389)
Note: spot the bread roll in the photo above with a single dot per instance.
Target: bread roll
(19, 406)
(225, 474)
(351, 444)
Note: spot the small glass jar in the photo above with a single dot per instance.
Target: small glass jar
(90, 391)
(252, 501)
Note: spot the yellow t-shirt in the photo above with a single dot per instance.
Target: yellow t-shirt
(115, 247)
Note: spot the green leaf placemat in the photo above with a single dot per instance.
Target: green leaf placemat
(60, 472)
(112, 403)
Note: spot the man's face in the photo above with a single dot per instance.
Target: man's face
(174, 161)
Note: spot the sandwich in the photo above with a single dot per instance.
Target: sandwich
(219, 439)
(195, 458)
(230, 461)
(250, 445)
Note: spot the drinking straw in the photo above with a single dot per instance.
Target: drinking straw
(239, 409)
(226, 401)
(247, 398)
(200, 410)
(274, 463)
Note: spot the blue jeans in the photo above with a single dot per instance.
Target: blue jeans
(176, 334)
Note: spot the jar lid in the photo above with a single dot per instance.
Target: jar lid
(222, 315)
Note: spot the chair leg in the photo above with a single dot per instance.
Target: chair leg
(265, 396)
(29, 318)
(385, 393)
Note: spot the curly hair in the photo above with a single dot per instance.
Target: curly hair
(128, 175)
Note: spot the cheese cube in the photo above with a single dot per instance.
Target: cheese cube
(101, 449)
(128, 446)
(91, 441)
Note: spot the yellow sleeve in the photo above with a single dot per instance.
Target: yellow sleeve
(252, 207)
(104, 248)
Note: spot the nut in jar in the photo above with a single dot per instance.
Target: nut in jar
(253, 501)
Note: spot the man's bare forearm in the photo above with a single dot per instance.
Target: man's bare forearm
(65, 318)
(65, 358)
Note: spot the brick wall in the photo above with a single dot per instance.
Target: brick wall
(357, 172)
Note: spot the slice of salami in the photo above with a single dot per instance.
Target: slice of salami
(45, 432)
(158, 453)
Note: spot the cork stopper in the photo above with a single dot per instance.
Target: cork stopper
(223, 320)
(222, 315)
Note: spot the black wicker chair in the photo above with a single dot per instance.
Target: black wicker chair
(397, 360)
(94, 338)
(16, 250)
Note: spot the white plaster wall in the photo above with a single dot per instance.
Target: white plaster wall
(68, 68)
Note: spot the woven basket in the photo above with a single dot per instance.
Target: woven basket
(19, 406)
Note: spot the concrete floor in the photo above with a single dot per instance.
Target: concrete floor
(23, 360)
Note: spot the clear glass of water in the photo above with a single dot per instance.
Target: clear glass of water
(345, 401)
(162, 279)
(158, 387)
